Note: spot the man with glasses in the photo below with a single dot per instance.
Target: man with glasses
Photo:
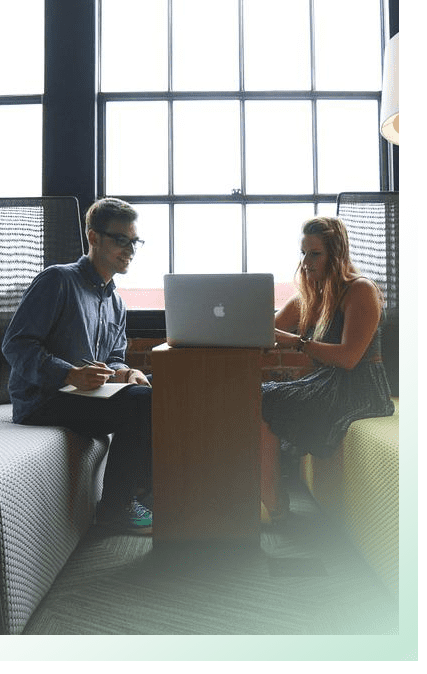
(70, 330)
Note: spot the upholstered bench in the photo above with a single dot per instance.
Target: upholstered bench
(50, 481)
(359, 487)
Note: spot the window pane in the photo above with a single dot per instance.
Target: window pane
(278, 147)
(205, 45)
(206, 147)
(137, 148)
(277, 45)
(22, 47)
(348, 45)
(208, 239)
(134, 49)
(328, 210)
(142, 286)
(274, 233)
(348, 146)
(21, 150)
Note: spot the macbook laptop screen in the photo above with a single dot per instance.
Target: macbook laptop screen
(231, 310)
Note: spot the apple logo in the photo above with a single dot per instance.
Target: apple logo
(219, 311)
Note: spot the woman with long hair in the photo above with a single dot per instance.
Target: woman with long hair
(334, 319)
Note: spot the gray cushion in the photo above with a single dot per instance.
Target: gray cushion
(50, 480)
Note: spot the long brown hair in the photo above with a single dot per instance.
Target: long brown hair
(322, 300)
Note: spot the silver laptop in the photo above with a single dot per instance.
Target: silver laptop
(219, 310)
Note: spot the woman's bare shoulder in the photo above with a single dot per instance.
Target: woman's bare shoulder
(363, 284)
(288, 316)
(362, 289)
(293, 302)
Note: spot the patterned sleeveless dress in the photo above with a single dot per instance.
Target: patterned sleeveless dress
(311, 415)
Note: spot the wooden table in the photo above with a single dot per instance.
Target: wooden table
(206, 444)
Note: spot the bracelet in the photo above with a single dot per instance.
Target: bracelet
(128, 374)
(302, 342)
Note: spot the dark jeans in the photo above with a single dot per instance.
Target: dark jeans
(127, 415)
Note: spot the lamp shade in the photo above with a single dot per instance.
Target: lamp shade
(389, 117)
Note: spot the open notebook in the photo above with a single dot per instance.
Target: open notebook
(231, 310)
(105, 391)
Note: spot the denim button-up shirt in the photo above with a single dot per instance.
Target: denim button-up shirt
(66, 314)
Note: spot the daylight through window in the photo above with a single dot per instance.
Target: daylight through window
(227, 124)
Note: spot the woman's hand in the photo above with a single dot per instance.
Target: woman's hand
(286, 339)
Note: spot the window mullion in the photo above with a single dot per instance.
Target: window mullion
(170, 69)
(102, 147)
(386, 149)
(170, 145)
(244, 240)
(243, 183)
(241, 49)
(171, 237)
(242, 137)
(313, 106)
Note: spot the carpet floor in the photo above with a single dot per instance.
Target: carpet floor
(306, 579)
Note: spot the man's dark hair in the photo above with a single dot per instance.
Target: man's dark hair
(107, 210)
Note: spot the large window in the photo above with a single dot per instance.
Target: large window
(21, 89)
(229, 123)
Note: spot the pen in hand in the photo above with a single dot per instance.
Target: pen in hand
(91, 362)
(88, 378)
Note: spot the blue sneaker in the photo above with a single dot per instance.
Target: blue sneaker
(139, 518)
(135, 518)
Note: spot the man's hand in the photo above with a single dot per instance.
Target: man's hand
(131, 377)
(89, 377)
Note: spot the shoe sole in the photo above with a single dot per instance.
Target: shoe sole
(140, 531)
(124, 527)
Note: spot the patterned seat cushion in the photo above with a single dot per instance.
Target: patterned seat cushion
(50, 480)
(359, 487)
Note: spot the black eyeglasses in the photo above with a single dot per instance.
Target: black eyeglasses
(124, 241)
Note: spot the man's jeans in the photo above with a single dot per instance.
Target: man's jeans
(127, 415)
